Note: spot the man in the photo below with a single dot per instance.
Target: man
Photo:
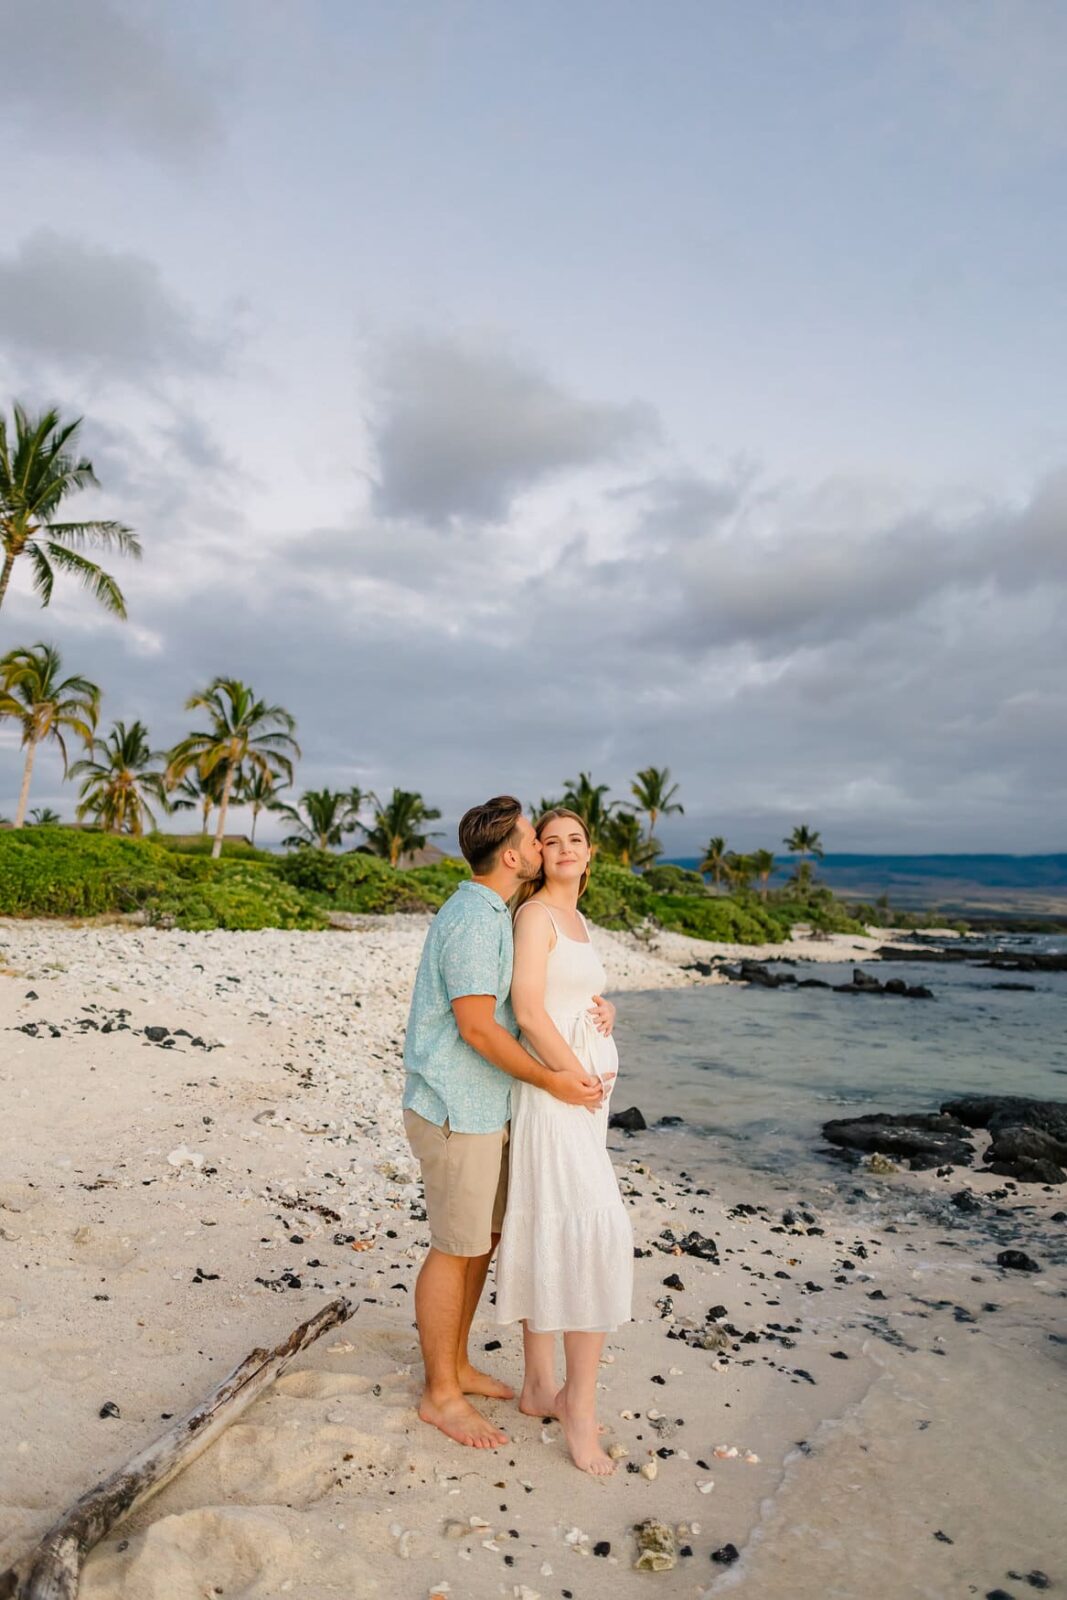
(461, 1050)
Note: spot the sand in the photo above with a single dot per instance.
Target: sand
(167, 1206)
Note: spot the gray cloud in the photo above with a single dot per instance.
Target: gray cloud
(86, 309)
(462, 428)
(890, 670)
(90, 66)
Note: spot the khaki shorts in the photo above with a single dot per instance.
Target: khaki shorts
(465, 1176)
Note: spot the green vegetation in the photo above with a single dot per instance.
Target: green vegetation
(39, 470)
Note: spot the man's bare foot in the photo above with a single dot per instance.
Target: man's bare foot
(471, 1381)
(458, 1419)
(582, 1442)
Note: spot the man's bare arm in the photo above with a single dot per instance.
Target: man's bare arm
(477, 1024)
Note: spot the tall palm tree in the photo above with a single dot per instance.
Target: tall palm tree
(654, 793)
(245, 735)
(46, 705)
(39, 469)
(399, 825)
(120, 777)
(44, 817)
(624, 839)
(195, 792)
(804, 842)
(586, 798)
(763, 865)
(259, 789)
(328, 815)
(714, 859)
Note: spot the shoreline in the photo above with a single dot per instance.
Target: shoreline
(142, 1169)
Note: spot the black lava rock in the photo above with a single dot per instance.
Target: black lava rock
(157, 1035)
(673, 1282)
(1017, 1261)
(927, 1139)
(964, 1200)
(109, 1409)
(727, 1554)
(630, 1120)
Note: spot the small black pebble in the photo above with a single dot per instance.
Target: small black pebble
(686, 1550)
(673, 1282)
(602, 1548)
(509, 1561)
(728, 1553)
(657, 1379)
(943, 1537)
(110, 1409)
(838, 1355)
(494, 1344)
(998, 1594)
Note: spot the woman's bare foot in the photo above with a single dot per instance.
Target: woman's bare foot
(471, 1381)
(458, 1419)
(581, 1433)
(538, 1402)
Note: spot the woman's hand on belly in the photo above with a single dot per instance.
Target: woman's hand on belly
(603, 1014)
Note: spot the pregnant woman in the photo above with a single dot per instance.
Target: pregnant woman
(565, 1262)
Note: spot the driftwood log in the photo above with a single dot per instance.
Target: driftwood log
(52, 1571)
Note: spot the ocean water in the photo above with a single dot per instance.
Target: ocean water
(755, 1072)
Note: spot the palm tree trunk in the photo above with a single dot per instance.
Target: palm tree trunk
(255, 819)
(224, 801)
(24, 792)
(5, 575)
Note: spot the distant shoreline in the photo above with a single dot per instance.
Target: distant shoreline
(1026, 892)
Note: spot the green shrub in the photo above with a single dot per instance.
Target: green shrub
(669, 879)
(240, 897)
(201, 844)
(66, 872)
(616, 897)
(716, 918)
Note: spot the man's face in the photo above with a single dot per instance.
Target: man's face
(528, 851)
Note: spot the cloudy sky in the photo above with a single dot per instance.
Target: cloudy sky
(511, 389)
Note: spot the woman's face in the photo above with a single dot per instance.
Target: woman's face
(564, 850)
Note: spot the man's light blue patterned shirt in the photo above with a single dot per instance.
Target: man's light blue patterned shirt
(468, 950)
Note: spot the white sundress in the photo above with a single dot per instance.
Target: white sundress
(565, 1259)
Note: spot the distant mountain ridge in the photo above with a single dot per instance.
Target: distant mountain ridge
(962, 882)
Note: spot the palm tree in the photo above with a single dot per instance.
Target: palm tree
(399, 825)
(46, 705)
(38, 471)
(259, 789)
(714, 859)
(327, 816)
(801, 880)
(804, 842)
(763, 864)
(586, 799)
(624, 840)
(196, 791)
(739, 870)
(244, 733)
(539, 807)
(119, 778)
(44, 817)
(654, 793)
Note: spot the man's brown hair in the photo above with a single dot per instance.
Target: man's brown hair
(484, 831)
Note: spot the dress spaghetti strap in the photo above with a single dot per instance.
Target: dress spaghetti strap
(544, 907)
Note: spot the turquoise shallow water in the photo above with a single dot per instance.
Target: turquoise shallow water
(755, 1072)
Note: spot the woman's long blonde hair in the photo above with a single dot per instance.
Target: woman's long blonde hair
(532, 886)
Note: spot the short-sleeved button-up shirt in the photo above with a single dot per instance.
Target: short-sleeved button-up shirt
(469, 950)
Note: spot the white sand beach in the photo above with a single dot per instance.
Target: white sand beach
(167, 1205)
